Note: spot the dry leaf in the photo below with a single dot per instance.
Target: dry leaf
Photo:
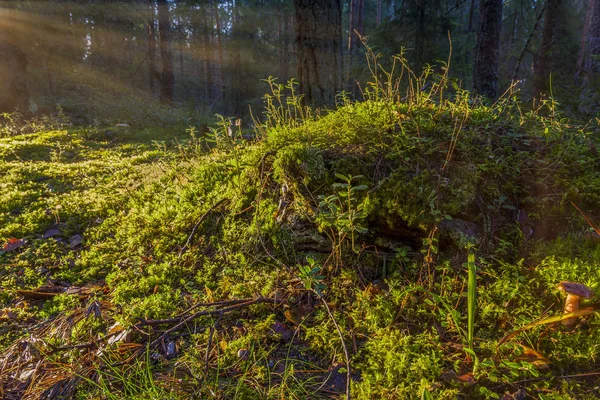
(466, 378)
(297, 315)
(75, 241)
(13, 244)
(534, 357)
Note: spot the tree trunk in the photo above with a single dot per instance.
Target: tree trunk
(589, 100)
(14, 93)
(420, 36)
(284, 49)
(167, 77)
(593, 58)
(554, 8)
(351, 25)
(318, 38)
(220, 81)
(471, 14)
(151, 32)
(236, 97)
(378, 17)
(588, 59)
(207, 56)
(487, 49)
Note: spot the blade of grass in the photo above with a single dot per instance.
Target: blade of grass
(471, 297)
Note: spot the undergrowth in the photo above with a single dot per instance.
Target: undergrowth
(358, 221)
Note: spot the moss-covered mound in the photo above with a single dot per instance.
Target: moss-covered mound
(355, 223)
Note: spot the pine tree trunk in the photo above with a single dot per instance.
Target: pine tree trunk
(318, 37)
(167, 77)
(352, 22)
(14, 93)
(420, 36)
(237, 86)
(554, 8)
(207, 56)
(151, 44)
(589, 62)
(487, 49)
(284, 61)
(583, 48)
(220, 81)
(594, 40)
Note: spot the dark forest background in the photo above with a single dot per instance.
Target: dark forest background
(108, 58)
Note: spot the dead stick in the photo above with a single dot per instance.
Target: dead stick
(211, 312)
(210, 337)
(182, 316)
(339, 330)
(195, 228)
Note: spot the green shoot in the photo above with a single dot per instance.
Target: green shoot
(471, 298)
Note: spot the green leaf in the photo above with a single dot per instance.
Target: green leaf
(471, 297)
(426, 395)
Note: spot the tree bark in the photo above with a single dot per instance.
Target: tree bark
(487, 49)
(14, 93)
(284, 46)
(420, 36)
(167, 77)
(554, 8)
(220, 81)
(589, 53)
(589, 100)
(207, 53)
(238, 36)
(319, 47)
(151, 45)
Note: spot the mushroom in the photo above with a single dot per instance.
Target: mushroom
(575, 292)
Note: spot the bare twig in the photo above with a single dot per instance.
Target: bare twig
(346, 355)
(181, 321)
(195, 228)
(210, 338)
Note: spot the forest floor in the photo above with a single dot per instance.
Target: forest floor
(419, 244)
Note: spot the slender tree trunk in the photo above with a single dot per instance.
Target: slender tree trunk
(221, 83)
(361, 21)
(318, 37)
(14, 93)
(590, 68)
(420, 36)
(284, 43)
(167, 77)
(554, 8)
(151, 32)
(207, 56)
(590, 38)
(471, 14)
(351, 25)
(487, 49)
(181, 66)
(237, 87)
(378, 17)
